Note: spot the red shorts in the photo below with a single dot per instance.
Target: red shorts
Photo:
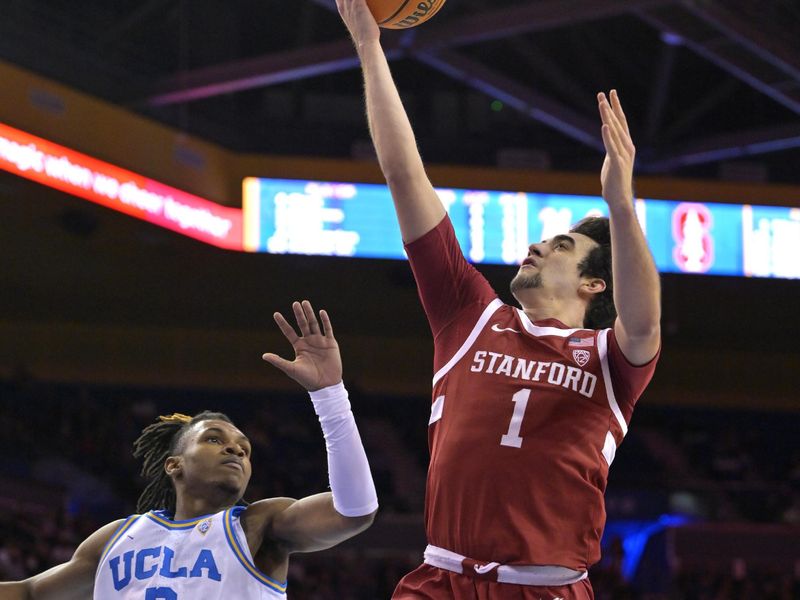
(432, 583)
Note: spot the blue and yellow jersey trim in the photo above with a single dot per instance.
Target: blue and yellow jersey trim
(160, 519)
(242, 556)
(126, 525)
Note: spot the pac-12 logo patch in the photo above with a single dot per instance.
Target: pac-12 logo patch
(581, 357)
(204, 526)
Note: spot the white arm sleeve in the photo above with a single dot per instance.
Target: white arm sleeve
(348, 469)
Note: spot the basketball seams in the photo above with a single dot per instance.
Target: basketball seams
(392, 20)
(434, 11)
(397, 12)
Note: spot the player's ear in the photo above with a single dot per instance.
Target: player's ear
(173, 466)
(592, 286)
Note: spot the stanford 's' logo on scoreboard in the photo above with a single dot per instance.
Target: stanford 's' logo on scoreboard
(694, 244)
(581, 357)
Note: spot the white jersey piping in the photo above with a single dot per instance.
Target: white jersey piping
(539, 331)
(609, 448)
(436, 410)
(602, 349)
(487, 313)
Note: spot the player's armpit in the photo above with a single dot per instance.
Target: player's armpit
(74, 580)
(638, 350)
(312, 524)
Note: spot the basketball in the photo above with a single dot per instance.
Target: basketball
(402, 14)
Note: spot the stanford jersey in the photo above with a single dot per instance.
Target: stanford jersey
(525, 420)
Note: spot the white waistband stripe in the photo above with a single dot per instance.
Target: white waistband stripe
(539, 575)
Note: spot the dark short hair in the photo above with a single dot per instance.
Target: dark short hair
(601, 311)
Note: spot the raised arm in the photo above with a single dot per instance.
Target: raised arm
(637, 290)
(418, 207)
(323, 520)
(73, 580)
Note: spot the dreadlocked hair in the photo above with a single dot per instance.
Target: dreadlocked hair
(157, 442)
(601, 311)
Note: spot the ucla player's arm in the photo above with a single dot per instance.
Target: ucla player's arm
(304, 525)
(637, 290)
(418, 207)
(322, 520)
(74, 580)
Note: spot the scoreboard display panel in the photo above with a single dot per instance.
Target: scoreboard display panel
(287, 216)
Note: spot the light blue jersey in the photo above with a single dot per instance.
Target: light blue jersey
(151, 557)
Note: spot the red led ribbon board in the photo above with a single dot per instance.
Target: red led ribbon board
(79, 175)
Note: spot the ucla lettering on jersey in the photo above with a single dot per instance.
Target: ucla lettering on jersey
(151, 557)
(149, 561)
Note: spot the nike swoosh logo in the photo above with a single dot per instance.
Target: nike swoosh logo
(483, 569)
(499, 329)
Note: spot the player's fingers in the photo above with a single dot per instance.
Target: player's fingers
(609, 143)
(619, 115)
(616, 105)
(278, 362)
(287, 330)
(311, 318)
(619, 127)
(327, 328)
(609, 118)
(614, 127)
(605, 115)
(300, 317)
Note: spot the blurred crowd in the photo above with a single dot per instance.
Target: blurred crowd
(66, 468)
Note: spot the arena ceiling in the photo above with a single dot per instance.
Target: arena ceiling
(712, 88)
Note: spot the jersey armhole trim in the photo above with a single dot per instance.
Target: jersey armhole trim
(602, 350)
(242, 556)
(487, 313)
(436, 410)
(609, 448)
(115, 537)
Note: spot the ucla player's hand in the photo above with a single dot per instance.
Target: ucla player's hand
(617, 173)
(317, 362)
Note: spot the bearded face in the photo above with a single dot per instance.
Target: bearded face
(524, 281)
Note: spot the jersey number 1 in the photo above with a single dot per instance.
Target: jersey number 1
(512, 437)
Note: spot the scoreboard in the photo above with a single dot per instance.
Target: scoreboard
(289, 216)
(285, 216)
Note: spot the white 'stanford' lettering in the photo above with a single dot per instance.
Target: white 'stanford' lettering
(554, 373)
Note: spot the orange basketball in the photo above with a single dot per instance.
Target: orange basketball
(402, 14)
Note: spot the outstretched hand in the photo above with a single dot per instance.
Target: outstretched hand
(359, 21)
(317, 362)
(617, 173)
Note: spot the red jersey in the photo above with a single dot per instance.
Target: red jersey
(525, 420)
